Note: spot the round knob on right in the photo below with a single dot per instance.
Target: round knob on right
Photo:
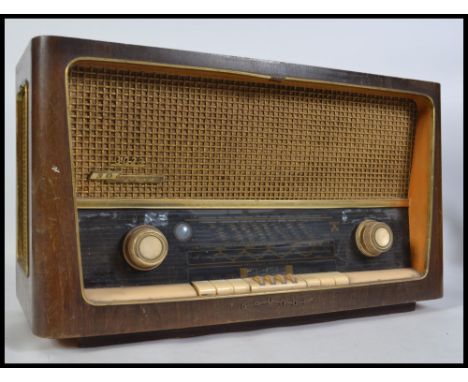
(373, 238)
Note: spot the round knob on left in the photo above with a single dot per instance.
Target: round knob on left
(145, 247)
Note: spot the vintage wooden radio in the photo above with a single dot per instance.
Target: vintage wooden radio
(165, 190)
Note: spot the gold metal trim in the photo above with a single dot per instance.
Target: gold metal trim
(431, 188)
(165, 66)
(22, 178)
(230, 204)
(90, 203)
(75, 215)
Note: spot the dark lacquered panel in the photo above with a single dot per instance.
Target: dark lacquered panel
(225, 241)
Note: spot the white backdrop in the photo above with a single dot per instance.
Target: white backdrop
(421, 49)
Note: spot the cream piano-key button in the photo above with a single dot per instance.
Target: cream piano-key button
(204, 288)
(223, 287)
(298, 284)
(324, 279)
(240, 286)
(311, 281)
(269, 279)
(280, 279)
(257, 285)
(267, 287)
(290, 277)
(341, 279)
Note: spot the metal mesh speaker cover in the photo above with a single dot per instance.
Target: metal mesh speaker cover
(228, 139)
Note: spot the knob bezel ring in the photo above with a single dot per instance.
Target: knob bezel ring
(132, 242)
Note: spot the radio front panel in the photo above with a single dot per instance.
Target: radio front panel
(228, 244)
(168, 189)
(152, 137)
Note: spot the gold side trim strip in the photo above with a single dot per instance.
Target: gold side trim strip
(202, 290)
(22, 180)
(98, 60)
(227, 204)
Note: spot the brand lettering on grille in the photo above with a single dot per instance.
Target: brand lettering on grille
(118, 177)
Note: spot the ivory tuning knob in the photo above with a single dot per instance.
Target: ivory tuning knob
(145, 247)
(373, 238)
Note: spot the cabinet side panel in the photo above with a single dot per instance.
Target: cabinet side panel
(53, 247)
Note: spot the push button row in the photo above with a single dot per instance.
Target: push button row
(276, 283)
(221, 287)
(276, 279)
(269, 283)
(242, 286)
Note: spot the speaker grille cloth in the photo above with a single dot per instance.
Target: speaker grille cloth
(227, 139)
